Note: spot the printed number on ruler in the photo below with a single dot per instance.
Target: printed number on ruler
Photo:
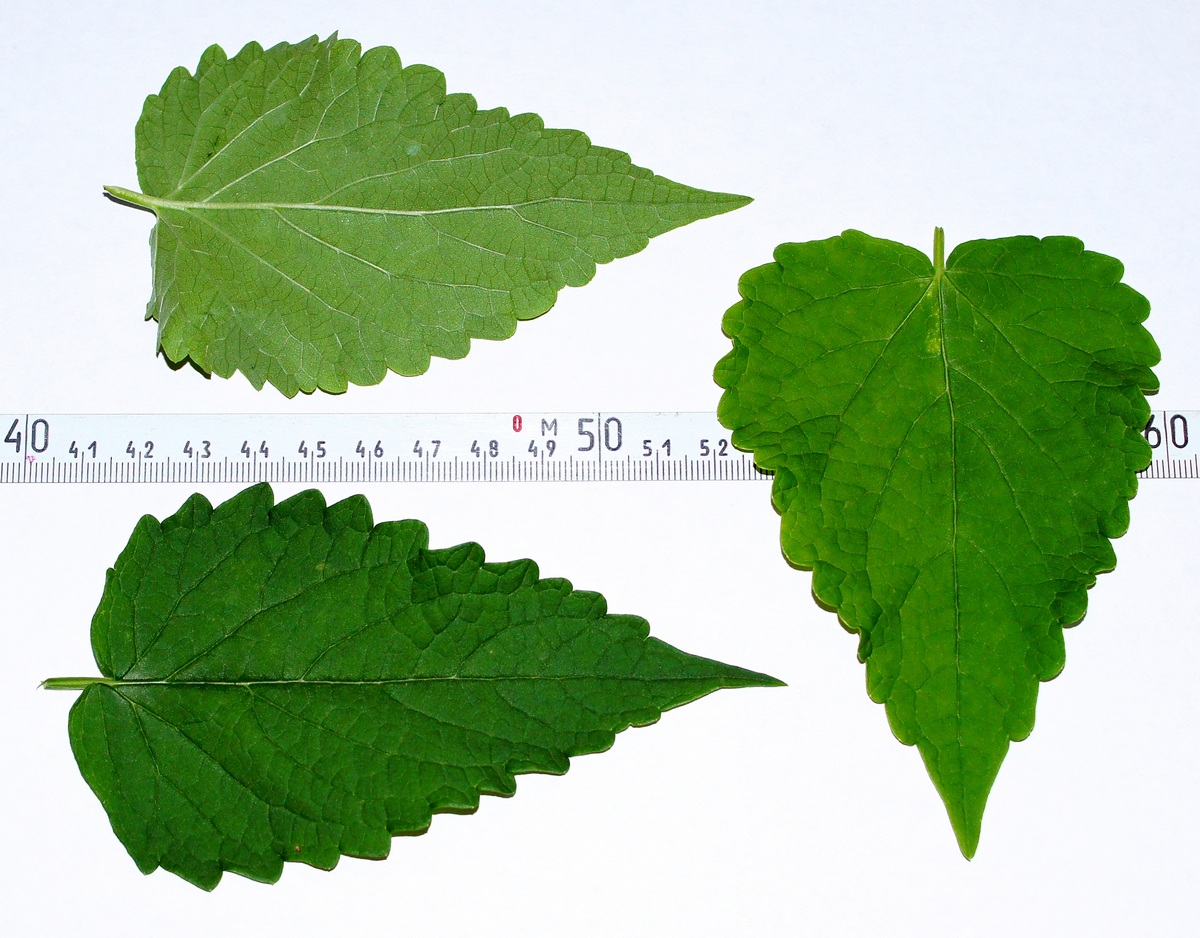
(370, 448)
(1174, 455)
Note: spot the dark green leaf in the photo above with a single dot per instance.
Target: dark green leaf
(953, 446)
(289, 682)
(324, 216)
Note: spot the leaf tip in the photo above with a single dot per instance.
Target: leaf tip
(966, 819)
(967, 834)
(741, 677)
(728, 202)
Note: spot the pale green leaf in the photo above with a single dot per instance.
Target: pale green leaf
(953, 446)
(325, 215)
(289, 682)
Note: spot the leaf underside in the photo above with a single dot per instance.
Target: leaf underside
(952, 447)
(324, 215)
(289, 682)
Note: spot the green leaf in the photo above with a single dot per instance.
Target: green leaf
(325, 215)
(953, 446)
(287, 682)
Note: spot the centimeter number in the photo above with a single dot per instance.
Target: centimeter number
(563, 447)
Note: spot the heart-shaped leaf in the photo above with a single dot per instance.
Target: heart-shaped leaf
(326, 215)
(289, 682)
(953, 445)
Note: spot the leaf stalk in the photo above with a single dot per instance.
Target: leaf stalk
(75, 683)
(131, 198)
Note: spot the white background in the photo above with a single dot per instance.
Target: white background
(750, 812)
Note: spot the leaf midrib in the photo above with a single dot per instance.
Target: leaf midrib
(155, 203)
(940, 282)
(81, 683)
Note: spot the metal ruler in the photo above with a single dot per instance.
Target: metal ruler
(314, 448)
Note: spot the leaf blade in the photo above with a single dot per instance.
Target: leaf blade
(332, 217)
(294, 676)
(953, 447)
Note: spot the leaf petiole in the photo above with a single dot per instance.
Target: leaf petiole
(131, 198)
(75, 683)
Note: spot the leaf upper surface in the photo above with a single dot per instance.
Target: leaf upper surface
(324, 215)
(290, 682)
(953, 447)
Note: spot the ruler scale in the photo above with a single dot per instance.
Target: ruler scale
(316, 448)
